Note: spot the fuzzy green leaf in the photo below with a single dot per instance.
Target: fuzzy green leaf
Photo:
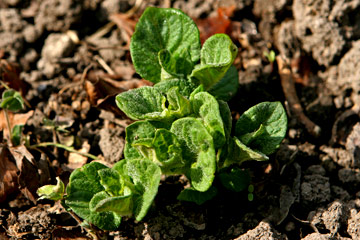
(262, 127)
(164, 29)
(192, 195)
(110, 179)
(198, 146)
(168, 151)
(142, 103)
(227, 121)
(145, 176)
(16, 134)
(84, 183)
(12, 100)
(206, 107)
(136, 131)
(173, 68)
(227, 87)
(52, 192)
(239, 152)
(179, 106)
(121, 205)
(217, 55)
(185, 87)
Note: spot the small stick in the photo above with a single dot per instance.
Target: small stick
(104, 65)
(59, 145)
(8, 122)
(289, 90)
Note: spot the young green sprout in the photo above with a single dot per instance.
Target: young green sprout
(183, 125)
(12, 101)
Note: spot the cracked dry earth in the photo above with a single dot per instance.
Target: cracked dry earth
(72, 56)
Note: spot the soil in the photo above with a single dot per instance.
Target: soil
(69, 58)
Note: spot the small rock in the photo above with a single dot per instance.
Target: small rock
(332, 217)
(31, 33)
(315, 169)
(339, 156)
(340, 193)
(10, 20)
(57, 45)
(58, 15)
(112, 144)
(349, 175)
(263, 231)
(319, 236)
(353, 145)
(318, 35)
(315, 189)
(354, 224)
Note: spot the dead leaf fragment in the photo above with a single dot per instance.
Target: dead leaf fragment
(8, 174)
(15, 119)
(219, 24)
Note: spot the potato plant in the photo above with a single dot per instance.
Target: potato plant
(183, 125)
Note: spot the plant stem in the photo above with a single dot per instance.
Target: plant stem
(59, 145)
(8, 122)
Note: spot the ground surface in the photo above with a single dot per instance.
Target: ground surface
(73, 57)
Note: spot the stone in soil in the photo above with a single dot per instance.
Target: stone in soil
(263, 231)
(354, 224)
(57, 45)
(319, 36)
(315, 189)
(112, 144)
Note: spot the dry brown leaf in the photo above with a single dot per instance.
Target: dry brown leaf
(15, 119)
(28, 179)
(125, 24)
(20, 171)
(219, 24)
(77, 160)
(102, 89)
(10, 74)
(8, 174)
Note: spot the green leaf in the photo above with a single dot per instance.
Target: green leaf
(142, 103)
(262, 127)
(84, 183)
(192, 195)
(164, 29)
(110, 179)
(146, 177)
(185, 86)
(173, 68)
(12, 100)
(16, 134)
(227, 121)
(227, 87)
(179, 106)
(206, 107)
(52, 192)
(121, 205)
(198, 146)
(239, 152)
(235, 180)
(168, 151)
(217, 55)
(136, 131)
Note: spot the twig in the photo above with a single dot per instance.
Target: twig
(101, 32)
(59, 145)
(104, 65)
(289, 90)
(81, 82)
(134, 9)
(306, 222)
(8, 122)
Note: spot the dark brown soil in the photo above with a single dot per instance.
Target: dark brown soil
(69, 71)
